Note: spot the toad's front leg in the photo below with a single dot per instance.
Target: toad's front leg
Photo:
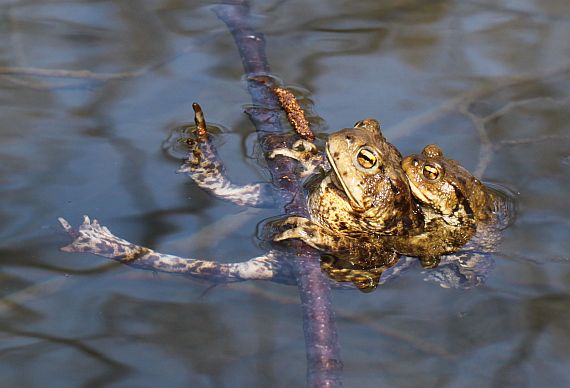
(307, 154)
(366, 253)
(312, 234)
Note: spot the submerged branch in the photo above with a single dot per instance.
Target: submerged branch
(323, 351)
(75, 74)
(24, 75)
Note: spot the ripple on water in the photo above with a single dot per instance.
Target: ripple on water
(175, 144)
(505, 203)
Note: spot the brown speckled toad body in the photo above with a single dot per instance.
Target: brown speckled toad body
(453, 203)
(365, 194)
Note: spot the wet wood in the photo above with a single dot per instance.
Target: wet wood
(321, 341)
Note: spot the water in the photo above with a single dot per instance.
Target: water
(488, 81)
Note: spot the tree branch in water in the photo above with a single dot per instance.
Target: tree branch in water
(321, 341)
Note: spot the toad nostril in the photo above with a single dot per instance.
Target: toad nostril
(394, 187)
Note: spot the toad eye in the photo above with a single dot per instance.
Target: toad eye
(367, 158)
(431, 172)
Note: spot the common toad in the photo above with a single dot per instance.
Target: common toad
(361, 208)
(463, 219)
(363, 195)
(452, 200)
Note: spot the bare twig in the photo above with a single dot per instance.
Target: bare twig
(62, 73)
(32, 292)
(16, 74)
(533, 140)
(486, 148)
(323, 351)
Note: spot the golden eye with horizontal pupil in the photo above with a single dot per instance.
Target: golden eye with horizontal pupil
(431, 172)
(366, 158)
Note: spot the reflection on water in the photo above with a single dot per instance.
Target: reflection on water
(467, 264)
(487, 80)
(364, 277)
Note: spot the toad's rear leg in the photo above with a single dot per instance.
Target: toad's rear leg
(91, 237)
(312, 234)
(207, 171)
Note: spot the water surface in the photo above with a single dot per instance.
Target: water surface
(488, 81)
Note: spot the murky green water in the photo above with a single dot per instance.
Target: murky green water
(488, 81)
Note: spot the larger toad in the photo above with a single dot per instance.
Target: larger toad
(365, 194)
(366, 191)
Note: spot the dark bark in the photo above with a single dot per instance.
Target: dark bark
(323, 352)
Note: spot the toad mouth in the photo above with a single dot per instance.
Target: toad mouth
(418, 193)
(340, 184)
